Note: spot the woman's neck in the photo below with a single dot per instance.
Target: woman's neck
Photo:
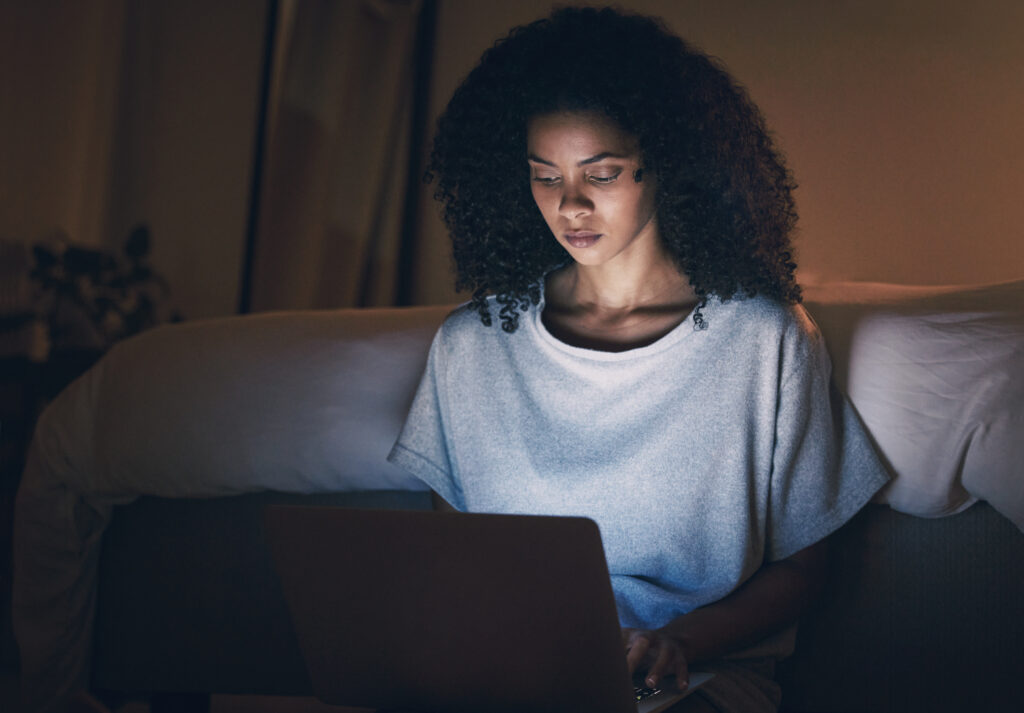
(639, 278)
(615, 308)
(604, 289)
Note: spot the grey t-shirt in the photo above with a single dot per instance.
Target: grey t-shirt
(700, 456)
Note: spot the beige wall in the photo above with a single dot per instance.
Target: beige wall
(901, 121)
(58, 99)
(114, 112)
(187, 122)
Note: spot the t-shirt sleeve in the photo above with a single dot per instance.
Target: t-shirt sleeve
(422, 447)
(824, 468)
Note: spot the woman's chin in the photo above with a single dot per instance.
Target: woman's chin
(588, 255)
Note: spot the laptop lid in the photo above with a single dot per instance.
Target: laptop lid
(428, 611)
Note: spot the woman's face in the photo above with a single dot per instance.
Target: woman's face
(582, 170)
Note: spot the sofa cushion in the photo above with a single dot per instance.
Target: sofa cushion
(917, 616)
(937, 375)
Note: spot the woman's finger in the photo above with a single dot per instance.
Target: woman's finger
(682, 672)
(636, 650)
(665, 654)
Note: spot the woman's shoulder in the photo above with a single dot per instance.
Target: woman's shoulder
(459, 319)
(464, 325)
(766, 313)
(768, 326)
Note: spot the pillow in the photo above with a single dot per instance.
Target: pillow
(937, 375)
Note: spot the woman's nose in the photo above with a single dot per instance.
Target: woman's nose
(574, 204)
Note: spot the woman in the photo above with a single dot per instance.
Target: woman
(615, 197)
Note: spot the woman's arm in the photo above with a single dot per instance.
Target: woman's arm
(440, 504)
(767, 602)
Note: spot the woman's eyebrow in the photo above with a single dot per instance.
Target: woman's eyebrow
(599, 157)
(537, 159)
(593, 159)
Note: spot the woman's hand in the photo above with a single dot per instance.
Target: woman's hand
(770, 600)
(659, 653)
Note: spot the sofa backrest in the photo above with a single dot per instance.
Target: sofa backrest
(312, 401)
(296, 402)
(937, 375)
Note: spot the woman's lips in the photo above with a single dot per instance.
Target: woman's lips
(581, 238)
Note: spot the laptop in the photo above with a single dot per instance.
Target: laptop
(455, 612)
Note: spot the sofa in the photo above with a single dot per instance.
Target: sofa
(139, 521)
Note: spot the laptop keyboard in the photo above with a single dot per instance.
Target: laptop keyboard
(643, 692)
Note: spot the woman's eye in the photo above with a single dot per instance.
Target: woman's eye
(599, 179)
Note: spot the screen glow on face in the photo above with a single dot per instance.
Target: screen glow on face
(583, 172)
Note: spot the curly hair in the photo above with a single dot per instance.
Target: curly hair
(723, 197)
